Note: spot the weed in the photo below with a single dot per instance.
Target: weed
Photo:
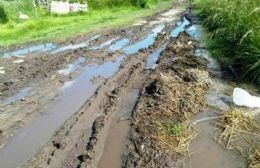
(175, 128)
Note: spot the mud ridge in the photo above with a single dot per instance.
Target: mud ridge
(173, 95)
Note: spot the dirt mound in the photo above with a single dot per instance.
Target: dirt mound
(160, 133)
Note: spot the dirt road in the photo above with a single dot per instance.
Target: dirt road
(89, 102)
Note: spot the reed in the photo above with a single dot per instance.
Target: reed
(235, 28)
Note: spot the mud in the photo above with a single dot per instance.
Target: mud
(160, 103)
(120, 98)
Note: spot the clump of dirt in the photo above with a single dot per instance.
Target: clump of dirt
(161, 131)
(240, 132)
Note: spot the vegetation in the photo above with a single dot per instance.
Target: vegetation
(44, 26)
(175, 128)
(3, 16)
(235, 28)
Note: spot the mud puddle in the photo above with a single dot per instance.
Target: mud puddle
(105, 44)
(154, 57)
(72, 67)
(76, 46)
(118, 132)
(180, 27)
(34, 49)
(28, 140)
(19, 96)
(145, 43)
(119, 44)
(206, 152)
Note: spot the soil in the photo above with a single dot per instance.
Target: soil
(83, 104)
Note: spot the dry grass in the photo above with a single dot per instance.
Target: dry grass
(233, 122)
(240, 132)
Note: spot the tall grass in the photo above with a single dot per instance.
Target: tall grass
(235, 28)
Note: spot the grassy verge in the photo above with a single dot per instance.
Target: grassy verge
(49, 27)
(235, 29)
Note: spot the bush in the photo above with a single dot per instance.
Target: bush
(3, 16)
(235, 29)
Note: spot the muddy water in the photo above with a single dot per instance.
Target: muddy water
(205, 151)
(154, 57)
(180, 27)
(76, 46)
(25, 51)
(105, 44)
(72, 67)
(20, 95)
(118, 131)
(118, 45)
(145, 43)
(28, 140)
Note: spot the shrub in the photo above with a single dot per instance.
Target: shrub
(3, 16)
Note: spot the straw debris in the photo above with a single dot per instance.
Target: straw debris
(240, 132)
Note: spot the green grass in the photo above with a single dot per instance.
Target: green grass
(46, 27)
(175, 128)
(235, 29)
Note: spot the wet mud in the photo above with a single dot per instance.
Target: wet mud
(132, 97)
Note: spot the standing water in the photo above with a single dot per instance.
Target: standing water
(25, 51)
(145, 43)
(117, 133)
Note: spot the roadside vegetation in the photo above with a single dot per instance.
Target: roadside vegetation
(235, 29)
(43, 26)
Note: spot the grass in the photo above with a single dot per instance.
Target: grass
(235, 29)
(46, 27)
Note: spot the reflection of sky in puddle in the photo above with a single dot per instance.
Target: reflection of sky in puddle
(145, 43)
(153, 58)
(105, 44)
(33, 49)
(21, 94)
(76, 46)
(194, 31)
(180, 28)
(72, 67)
(119, 44)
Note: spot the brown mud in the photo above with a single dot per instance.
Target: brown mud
(133, 97)
(160, 133)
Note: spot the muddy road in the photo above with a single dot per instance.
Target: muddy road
(117, 98)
